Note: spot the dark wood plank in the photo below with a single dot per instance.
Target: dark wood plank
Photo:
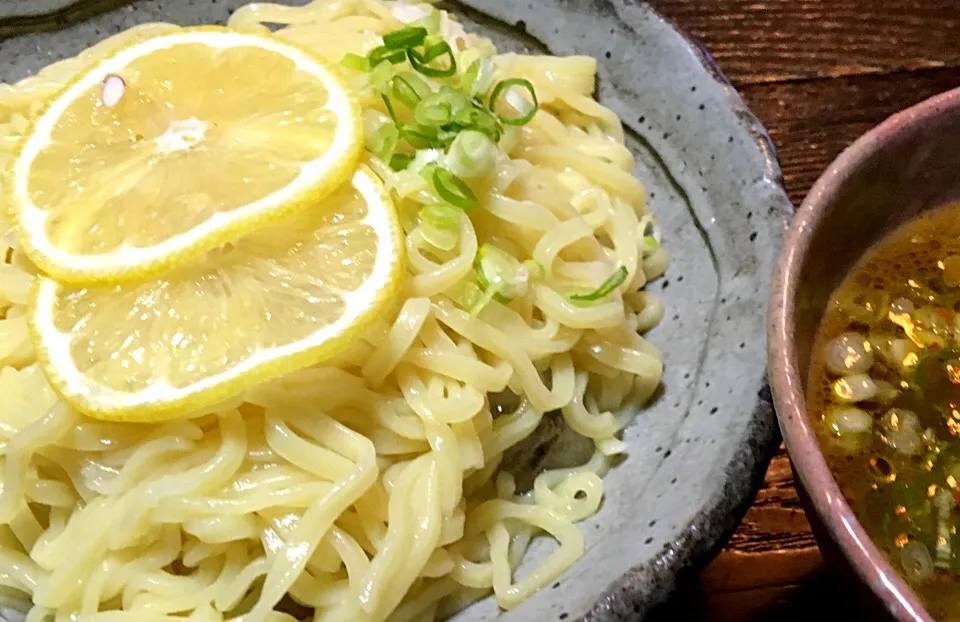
(776, 40)
(772, 565)
(770, 570)
(812, 121)
(818, 74)
(773, 546)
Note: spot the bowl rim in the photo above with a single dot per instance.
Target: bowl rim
(786, 380)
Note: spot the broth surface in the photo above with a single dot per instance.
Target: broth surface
(884, 390)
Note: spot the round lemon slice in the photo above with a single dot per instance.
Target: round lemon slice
(174, 145)
(280, 299)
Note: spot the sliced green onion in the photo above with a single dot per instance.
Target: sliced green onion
(469, 76)
(413, 86)
(432, 112)
(403, 90)
(535, 268)
(452, 189)
(382, 76)
(383, 53)
(356, 62)
(485, 77)
(420, 62)
(383, 142)
(479, 71)
(502, 88)
(450, 96)
(613, 282)
(442, 216)
(650, 234)
(446, 136)
(426, 161)
(471, 154)
(405, 38)
(479, 119)
(390, 111)
(501, 272)
(490, 293)
(400, 161)
(443, 239)
(420, 136)
(440, 225)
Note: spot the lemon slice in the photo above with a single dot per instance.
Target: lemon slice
(277, 300)
(174, 145)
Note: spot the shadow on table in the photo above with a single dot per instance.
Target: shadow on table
(821, 597)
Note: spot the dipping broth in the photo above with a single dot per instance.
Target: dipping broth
(885, 391)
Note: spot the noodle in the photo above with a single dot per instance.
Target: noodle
(373, 487)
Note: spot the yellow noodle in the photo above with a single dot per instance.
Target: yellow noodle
(369, 488)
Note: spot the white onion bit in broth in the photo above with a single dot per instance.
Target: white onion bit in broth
(855, 388)
(901, 431)
(916, 561)
(849, 353)
(844, 420)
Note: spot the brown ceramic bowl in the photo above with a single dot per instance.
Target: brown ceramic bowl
(908, 164)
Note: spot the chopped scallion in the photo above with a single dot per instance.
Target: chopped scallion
(404, 91)
(444, 239)
(649, 233)
(469, 76)
(484, 78)
(405, 38)
(421, 61)
(501, 272)
(440, 225)
(453, 98)
(503, 88)
(471, 154)
(381, 77)
(433, 43)
(425, 161)
(441, 216)
(415, 84)
(356, 62)
(490, 293)
(383, 142)
(420, 136)
(535, 269)
(613, 282)
(390, 110)
(431, 112)
(383, 53)
(452, 189)
(400, 161)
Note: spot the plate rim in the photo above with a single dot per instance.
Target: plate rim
(743, 476)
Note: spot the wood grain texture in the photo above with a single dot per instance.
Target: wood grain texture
(812, 121)
(777, 40)
(818, 74)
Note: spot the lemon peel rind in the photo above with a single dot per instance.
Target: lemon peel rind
(163, 402)
(129, 263)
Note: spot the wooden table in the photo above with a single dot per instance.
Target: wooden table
(818, 74)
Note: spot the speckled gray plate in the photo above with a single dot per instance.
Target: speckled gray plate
(698, 455)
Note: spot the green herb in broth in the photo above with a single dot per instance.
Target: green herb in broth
(885, 389)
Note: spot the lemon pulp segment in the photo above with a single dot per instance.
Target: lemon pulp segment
(203, 135)
(280, 299)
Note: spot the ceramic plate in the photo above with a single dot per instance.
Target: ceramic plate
(698, 455)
